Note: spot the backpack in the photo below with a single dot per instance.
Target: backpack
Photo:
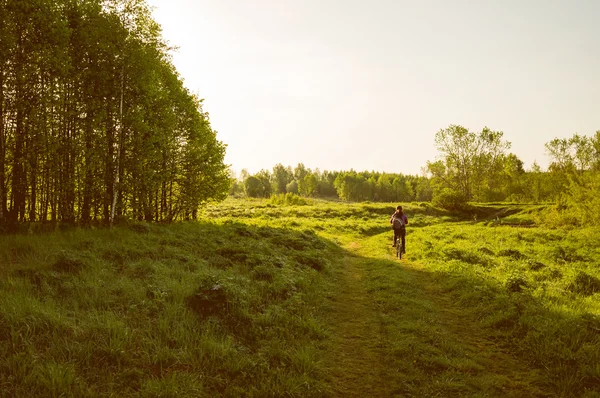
(398, 222)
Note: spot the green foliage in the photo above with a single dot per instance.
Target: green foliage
(476, 165)
(95, 119)
(449, 199)
(292, 187)
(583, 198)
(472, 164)
(288, 199)
(574, 167)
(308, 185)
(258, 185)
(253, 187)
(281, 177)
(345, 185)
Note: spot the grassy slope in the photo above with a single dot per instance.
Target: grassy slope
(263, 300)
(197, 309)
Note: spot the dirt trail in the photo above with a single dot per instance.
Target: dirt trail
(359, 365)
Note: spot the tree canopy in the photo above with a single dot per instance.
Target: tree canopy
(94, 120)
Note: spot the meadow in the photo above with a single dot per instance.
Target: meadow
(301, 297)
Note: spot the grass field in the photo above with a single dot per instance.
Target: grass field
(293, 297)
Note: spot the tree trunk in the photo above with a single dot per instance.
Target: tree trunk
(109, 164)
(119, 149)
(88, 177)
(33, 197)
(18, 192)
(2, 150)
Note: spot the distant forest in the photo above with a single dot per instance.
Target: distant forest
(95, 123)
(471, 167)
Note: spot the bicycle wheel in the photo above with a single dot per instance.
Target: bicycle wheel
(398, 250)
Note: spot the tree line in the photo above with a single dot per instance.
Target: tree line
(95, 123)
(346, 185)
(471, 167)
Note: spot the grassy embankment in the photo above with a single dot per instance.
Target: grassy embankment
(261, 299)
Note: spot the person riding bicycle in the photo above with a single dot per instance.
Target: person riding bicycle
(399, 222)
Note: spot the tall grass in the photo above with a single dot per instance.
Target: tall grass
(196, 309)
(535, 288)
(236, 305)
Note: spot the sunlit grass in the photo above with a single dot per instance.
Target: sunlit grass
(237, 304)
(197, 309)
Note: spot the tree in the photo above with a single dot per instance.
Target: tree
(423, 191)
(470, 163)
(595, 140)
(281, 177)
(300, 172)
(253, 187)
(308, 186)
(88, 97)
(292, 187)
(513, 179)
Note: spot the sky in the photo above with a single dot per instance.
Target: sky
(365, 85)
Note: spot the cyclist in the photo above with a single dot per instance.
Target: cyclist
(399, 222)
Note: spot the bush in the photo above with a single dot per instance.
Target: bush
(288, 199)
(450, 199)
(583, 199)
(559, 216)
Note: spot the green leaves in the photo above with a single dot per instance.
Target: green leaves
(471, 164)
(64, 136)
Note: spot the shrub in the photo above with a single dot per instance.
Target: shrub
(559, 216)
(583, 199)
(450, 199)
(288, 199)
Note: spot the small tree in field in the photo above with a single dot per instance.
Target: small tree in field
(253, 187)
(470, 163)
(449, 199)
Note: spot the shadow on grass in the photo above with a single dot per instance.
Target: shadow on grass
(254, 288)
(563, 347)
(232, 302)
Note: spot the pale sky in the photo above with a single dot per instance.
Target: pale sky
(365, 85)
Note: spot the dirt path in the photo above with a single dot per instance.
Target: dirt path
(452, 355)
(357, 365)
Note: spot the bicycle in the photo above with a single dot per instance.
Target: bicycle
(399, 247)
